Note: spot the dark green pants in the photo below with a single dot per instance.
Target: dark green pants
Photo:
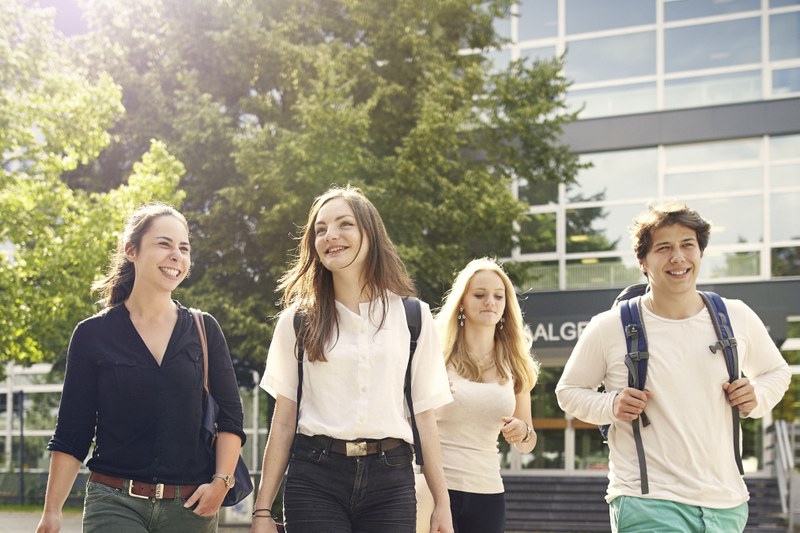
(106, 509)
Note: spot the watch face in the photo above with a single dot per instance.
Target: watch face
(230, 481)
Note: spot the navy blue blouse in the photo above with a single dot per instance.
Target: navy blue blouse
(145, 418)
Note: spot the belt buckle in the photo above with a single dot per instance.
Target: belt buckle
(158, 495)
(356, 449)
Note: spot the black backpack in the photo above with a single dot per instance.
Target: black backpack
(414, 320)
(636, 359)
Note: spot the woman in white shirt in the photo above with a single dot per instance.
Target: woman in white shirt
(348, 452)
(487, 352)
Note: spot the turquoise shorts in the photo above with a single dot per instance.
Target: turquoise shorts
(645, 515)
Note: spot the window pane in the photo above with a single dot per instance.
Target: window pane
(538, 19)
(596, 229)
(784, 175)
(712, 90)
(720, 44)
(533, 275)
(784, 42)
(786, 81)
(733, 220)
(609, 58)
(606, 272)
(539, 193)
(710, 153)
(786, 262)
(784, 147)
(543, 53)
(616, 176)
(785, 227)
(502, 26)
(782, 3)
(736, 264)
(499, 60)
(713, 181)
(686, 9)
(595, 15)
(538, 233)
(627, 99)
(590, 451)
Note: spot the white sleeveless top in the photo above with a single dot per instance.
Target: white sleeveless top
(468, 431)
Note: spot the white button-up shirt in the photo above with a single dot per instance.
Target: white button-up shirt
(358, 392)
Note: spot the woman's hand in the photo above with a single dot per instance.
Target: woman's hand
(49, 523)
(208, 498)
(514, 429)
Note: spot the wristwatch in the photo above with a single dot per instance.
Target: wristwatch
(227, 478)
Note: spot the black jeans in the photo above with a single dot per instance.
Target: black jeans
(333, 493)
(478, 513)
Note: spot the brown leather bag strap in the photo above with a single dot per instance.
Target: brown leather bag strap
(201, 330)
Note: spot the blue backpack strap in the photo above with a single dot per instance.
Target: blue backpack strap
(414, 321)
(636, 362)
(726, 342)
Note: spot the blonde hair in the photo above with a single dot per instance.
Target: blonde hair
(309, 285)
(512, 355)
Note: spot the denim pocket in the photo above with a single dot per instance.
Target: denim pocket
(399, 457)
(302, 451)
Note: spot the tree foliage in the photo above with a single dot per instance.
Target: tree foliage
(55, 117)
(269, 102)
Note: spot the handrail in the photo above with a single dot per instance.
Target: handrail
(784, 462)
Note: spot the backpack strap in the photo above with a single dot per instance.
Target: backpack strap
(414, 320)
(299, 319)
(726, 342)
(636, 362)
(413, 313)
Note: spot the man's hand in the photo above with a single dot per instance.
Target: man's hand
(741, 394)
(630, 403)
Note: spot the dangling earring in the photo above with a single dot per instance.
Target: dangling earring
(502, 321)
(461, 317)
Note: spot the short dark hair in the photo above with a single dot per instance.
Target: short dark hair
(666, 214)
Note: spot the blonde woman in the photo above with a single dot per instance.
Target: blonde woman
(487, 352)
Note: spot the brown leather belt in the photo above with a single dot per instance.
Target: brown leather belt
(353, 448)
(138, 489)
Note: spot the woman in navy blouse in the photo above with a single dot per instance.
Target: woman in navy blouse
(134, 385)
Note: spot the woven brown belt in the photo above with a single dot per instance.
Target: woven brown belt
(353, 448)
(138, 489)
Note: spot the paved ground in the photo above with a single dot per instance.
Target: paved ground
(25, 522)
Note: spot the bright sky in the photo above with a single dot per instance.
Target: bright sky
(68, 15)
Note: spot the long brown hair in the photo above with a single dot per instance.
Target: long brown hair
(309, 285)
(512, 354)
(117, 284)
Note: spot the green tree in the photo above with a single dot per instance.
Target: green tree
(268, 103)
(55, 117)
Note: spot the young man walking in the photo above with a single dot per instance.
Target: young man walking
(692, 479)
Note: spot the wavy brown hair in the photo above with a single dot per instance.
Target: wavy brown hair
(117, 284)
(512, 354)
(309, 285)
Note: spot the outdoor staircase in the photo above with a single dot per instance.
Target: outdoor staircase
(576, 505)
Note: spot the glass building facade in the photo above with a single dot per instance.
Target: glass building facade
(692, 100)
